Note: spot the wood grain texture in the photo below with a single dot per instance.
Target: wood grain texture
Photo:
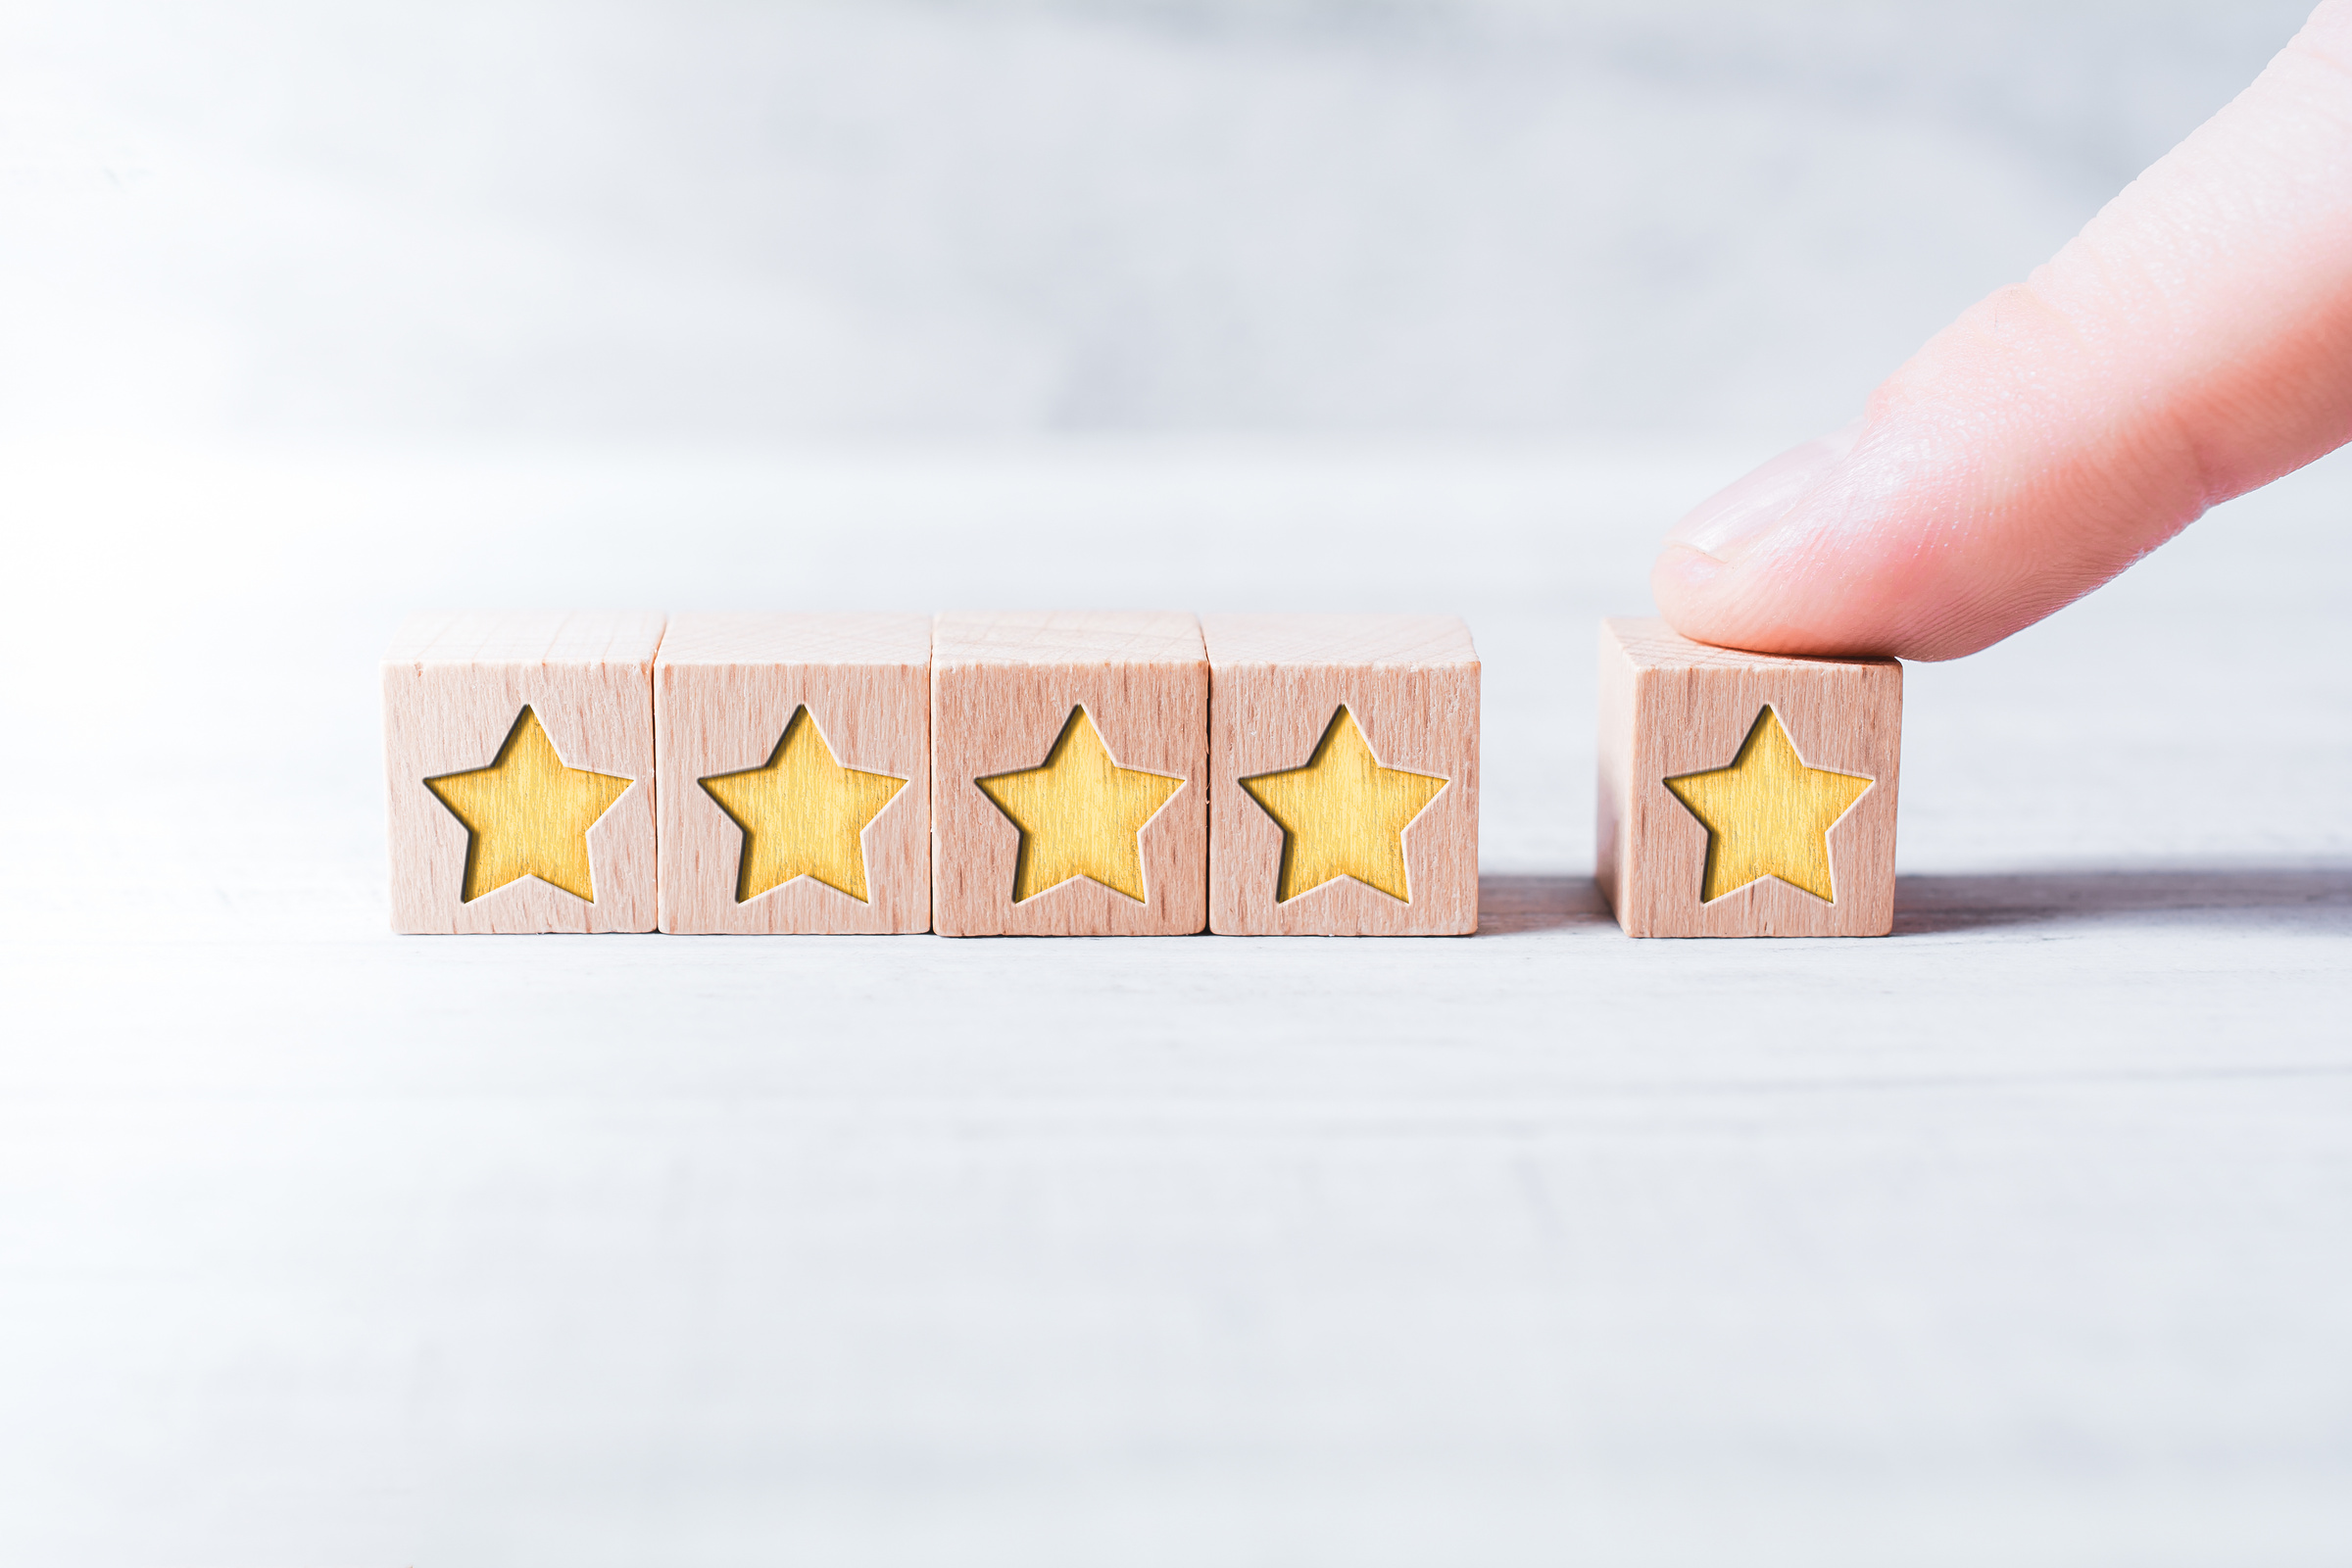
(454, 684)
(1671, 707)
(2017, 1239)
(724, 687)
(1276, 681)
(1003, 685)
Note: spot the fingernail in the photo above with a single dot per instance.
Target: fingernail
(1735, 518)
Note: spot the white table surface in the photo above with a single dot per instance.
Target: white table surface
(2023, 1236)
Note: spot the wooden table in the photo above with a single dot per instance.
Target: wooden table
(2023, 1236)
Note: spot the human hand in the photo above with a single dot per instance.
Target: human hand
(2193, 343)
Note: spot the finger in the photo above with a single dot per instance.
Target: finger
(2193, 342)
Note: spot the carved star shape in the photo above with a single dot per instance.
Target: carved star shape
(1080, 813)
(802, 814)
(527, 815)
(1342, 814)
(1768, 815)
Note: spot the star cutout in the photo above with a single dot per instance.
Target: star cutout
(1767, 814)
(527, 815)
(1080, 813)
(802, 814)
(1342, 814)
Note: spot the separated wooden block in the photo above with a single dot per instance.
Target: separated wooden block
(1068, 757)
(795, 772)
(1342, 776)
(518, 755)
(1745, 795)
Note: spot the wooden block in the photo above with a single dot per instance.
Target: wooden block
(795, 772)
(518, 755)
(1745, 795)
(1069, 753)
(1342, 776)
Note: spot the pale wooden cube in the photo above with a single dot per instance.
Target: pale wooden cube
(1342, 776)
(1069, 753)
(794, 773)
(519, 759)
(1745, 795)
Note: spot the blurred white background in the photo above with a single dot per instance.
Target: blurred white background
(311, 314)
(2016, 1239)
(719, 219)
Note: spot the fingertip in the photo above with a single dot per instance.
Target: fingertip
(1789, 601)
(1702, 598)
(2190, 344)
(1681, 579)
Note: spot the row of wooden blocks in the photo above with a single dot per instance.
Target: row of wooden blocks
(1073, 774)
(1050, 774)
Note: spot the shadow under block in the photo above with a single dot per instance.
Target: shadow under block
(1342, 776)
(794, 773)
(518, 759)
(1070, 759)
(1745, 795)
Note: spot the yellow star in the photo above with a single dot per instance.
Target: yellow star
(802, 814)
(1767, 814)
(527, 815)
(1080, 813)
(1342, 814)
